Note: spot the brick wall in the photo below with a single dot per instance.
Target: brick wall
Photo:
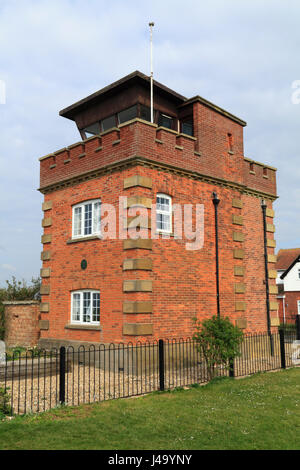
(178, 284)
(22, 323)
(183, 282)
(290, 303)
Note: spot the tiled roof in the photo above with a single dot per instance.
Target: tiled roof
(286, 257)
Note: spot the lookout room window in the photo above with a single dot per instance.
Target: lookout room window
(108, 123)
(91, 130)
(127, 114)
(86, 219)
(85, 306)
(145, 113)
(187, 127)
(163, 213)
(165, 121)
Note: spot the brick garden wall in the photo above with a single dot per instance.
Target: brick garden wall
(22, 323)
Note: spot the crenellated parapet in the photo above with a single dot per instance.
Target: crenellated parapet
(259, 176)
(137, 138)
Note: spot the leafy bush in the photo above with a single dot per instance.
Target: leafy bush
(17, 290)
(288, 326)
(5, 408)
(219, 341)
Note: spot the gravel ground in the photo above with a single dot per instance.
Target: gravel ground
(86, 385)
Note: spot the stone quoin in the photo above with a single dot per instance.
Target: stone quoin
(145, 289)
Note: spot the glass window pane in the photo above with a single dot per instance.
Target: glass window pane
(96, 307)
(145, 113)
(163, 204)
(165, 121)
(77, 221)
(127, 114)
(86, 316)
(108, 123)
(187, 127)
(97, 217)
(163, 213)
(163, 222)
(159, 221)
(88, 219)
(76, 307)
(93, 129)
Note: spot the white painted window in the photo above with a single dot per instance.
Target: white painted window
(86, 219)
(163, 213)
(85, 307)
(298, 307)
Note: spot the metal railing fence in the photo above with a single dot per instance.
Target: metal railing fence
(39, 381)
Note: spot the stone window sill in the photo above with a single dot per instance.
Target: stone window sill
(164, 235)
(83, 239)
(72, 326)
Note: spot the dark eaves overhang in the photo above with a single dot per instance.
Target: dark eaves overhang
(215, 108)
(119, 85)
(290, 267)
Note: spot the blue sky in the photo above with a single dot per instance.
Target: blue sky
(242, 56)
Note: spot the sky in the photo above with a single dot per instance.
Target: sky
(241, 55)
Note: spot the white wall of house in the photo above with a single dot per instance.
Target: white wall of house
(279, 272)
(292, 279)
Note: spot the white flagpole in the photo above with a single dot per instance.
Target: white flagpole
(151, 72)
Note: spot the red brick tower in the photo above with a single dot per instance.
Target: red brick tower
(110, 289)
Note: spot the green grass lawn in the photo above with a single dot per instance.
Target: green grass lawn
(258, 412)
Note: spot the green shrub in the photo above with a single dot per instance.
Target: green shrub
(219, 341)
(5, 408)
(288, 326)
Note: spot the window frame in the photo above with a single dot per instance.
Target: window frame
(161, 117)
(126, 110)
(169, 213)
(81, 310)
(188, 120)
(82, 205)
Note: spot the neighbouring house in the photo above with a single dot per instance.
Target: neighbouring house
(134, 277)
(288, 282)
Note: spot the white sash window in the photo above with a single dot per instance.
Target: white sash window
(86, 219)
(85, 306)
(163, 213)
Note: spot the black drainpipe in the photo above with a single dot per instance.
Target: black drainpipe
(216, 203)
(264, 208)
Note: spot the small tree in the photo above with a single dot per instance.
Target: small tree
(219, 341)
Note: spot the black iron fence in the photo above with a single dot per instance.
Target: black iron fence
(39, 381)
